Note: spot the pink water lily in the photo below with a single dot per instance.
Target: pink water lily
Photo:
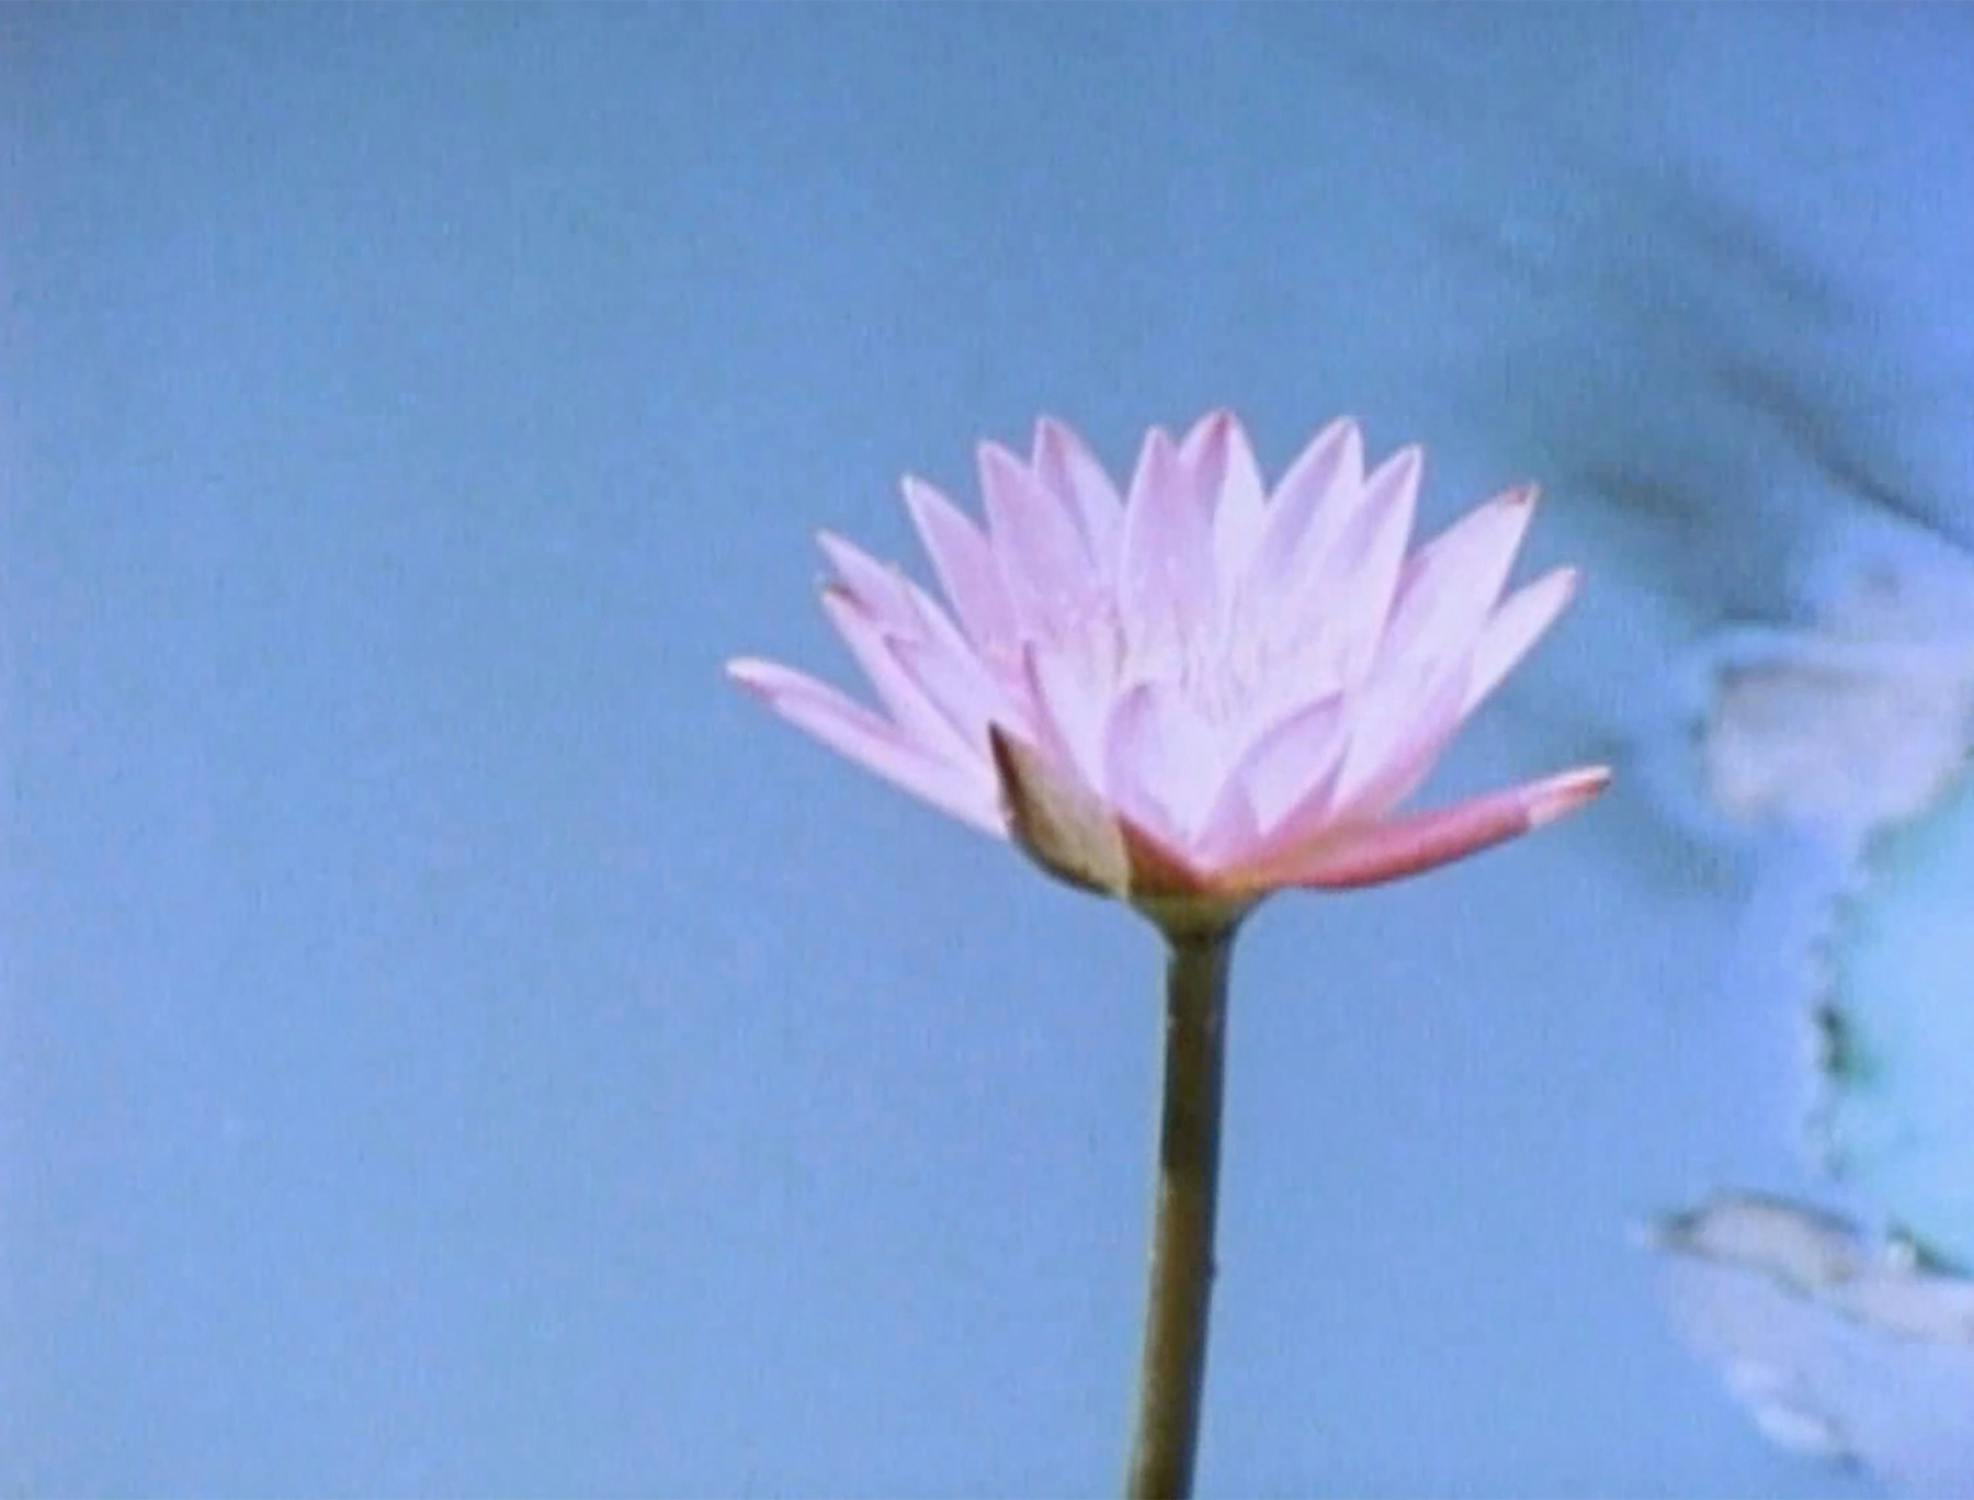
(1198, 688)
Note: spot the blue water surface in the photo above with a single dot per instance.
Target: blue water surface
(452, 1044)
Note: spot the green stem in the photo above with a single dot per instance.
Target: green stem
(1174, 1365)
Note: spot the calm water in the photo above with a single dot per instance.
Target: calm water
(453, 1045)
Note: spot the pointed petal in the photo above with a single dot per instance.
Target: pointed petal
(1072, 712)
(1043, 562)
(1063, 826)
(965, 564)
(965, 692)
(860, 735)
(883, 591)
(1229, 831)
(1132, 761)
(1224, 471)
(1165, 577)
(904, 609)
(1304, 822)
(1450, 584)
(1360, 574)
(1406, 846)
(1287, 759)
(1522, 620)
(1174, 758)
(1064, 463)
(1310, 503)
(1079, 837)
(1203, 452)
(923, 641)
(919, 719)
(1398, 730)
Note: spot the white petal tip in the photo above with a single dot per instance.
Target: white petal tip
(751, 673)
(920, 493)
(995, 457)
(1566, 794)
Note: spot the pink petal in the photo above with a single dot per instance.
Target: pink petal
(1406, 846)
(1303, 822)
(916, 714)
(861, 736)
(966, 693)
(1133, 760)
(1058, 821)
(883, 591)
(1044, 564)
(904, 609)
(1163, 759)
(1203, 452)
(1225, 471)
(1072, 712)
(1514, 629)
(1360, 574)
(1310, 503)
(1450, 584)
(1077, 836)
(924, 642)
(1230, 828)
(1064, 463)
(965, 564)
(1287, 759)
(1398, 729)
(1166, 569)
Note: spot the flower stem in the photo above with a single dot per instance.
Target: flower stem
(1174, 1364)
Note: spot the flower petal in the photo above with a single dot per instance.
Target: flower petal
(1511, 633)
(1450, 584)
(904, 609)
(1044, 564)
(965, 564)
(1072, 711)
(1134, 762)
(1061, 824)
(1360, 574)
(1203, 450)
(1224, 472)
(1398, 728)
(1406, 846)
(918, 717)
(1309, 505)
(1165, 581)
(882, 591)
(1064, 462)
(860, 735)
(1303, 823)
(1287, 759)
(924, 642)
(1077, 836)
(965, 692)
(1229, 829)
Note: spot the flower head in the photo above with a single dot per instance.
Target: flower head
(1198, 689)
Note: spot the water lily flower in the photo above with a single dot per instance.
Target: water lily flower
(1186, 696)
(1198, 690)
